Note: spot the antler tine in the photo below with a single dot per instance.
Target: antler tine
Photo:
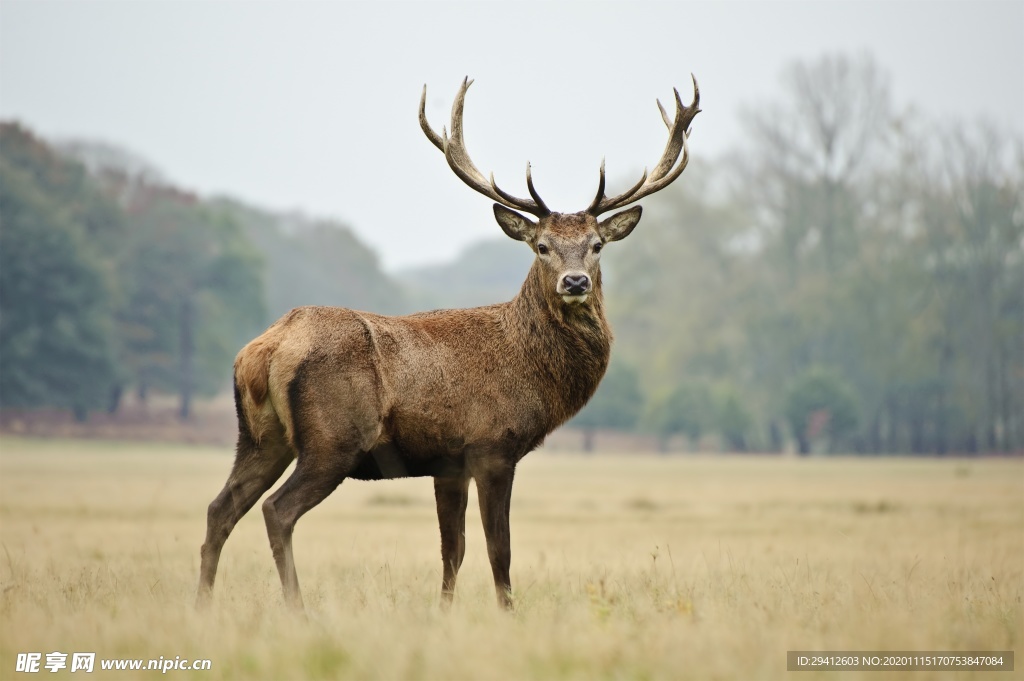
(664, 114)
(531, 189)
(455, 153)
(539, 210)
(602, 204)
(434, 138)
(674, 144)
(600, 192)
(666, 170)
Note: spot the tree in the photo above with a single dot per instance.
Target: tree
(194, 292)
(687, 409)
(821, 177)
(314, 262)
(615, 405)
(732, 420)
(188, 285)
(820, 407)
(671, 293)
(56, 308)
(971, 247)
(810, 152)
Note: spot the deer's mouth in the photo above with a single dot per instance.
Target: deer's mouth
(574, 300)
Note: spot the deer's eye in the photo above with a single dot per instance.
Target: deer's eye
(542, 249)
(598, 246)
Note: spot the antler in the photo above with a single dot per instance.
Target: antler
(663, 173)
(454, 149)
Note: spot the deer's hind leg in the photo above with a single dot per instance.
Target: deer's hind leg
(335, 426)
(256, 468)
(308, 485)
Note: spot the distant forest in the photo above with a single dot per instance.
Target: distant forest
(112, 279)
(849, 279)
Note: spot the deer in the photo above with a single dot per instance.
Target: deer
(457, 395)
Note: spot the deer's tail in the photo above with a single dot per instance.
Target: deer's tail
(252, 388)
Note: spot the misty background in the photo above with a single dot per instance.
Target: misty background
(841, 268)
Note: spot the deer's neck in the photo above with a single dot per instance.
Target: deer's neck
(568, 346)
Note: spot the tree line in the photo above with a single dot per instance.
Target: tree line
(850, 278)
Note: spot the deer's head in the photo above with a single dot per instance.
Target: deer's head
(568, 245)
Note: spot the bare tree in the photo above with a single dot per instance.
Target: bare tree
(972, 243)
(810, 148)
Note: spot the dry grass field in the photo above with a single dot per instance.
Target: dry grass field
(637, 567)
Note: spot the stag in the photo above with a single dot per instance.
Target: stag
(452, 394)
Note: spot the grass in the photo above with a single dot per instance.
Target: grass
(637, 567)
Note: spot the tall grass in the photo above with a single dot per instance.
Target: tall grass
(627, 567)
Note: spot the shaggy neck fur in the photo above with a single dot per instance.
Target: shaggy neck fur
(567, 345)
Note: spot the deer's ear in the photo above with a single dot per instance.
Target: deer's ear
(619, 225)
(514, 224)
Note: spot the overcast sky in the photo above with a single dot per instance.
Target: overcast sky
(312, 105)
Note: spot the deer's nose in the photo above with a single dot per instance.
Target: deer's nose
(576, 284)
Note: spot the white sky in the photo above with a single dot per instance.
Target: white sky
(312, 105)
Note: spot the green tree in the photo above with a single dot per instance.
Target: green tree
(616, 404)
(56, 307)
(733, 420)
(672, 288)
(811, 175)
(688, 409)
(195, 292)
(820, 407)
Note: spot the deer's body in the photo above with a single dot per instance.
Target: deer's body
(407, 387)
(458, 395)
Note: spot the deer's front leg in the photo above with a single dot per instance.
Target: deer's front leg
(494, 487)
(451, 495)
